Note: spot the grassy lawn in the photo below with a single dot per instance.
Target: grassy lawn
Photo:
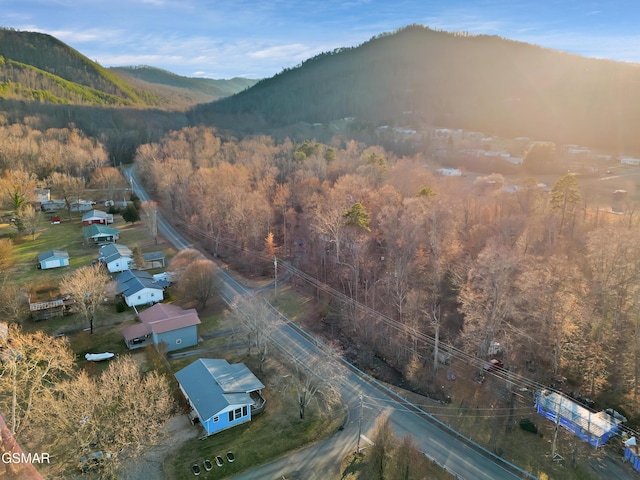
(274, 432)
(291, 303)
(68, 236)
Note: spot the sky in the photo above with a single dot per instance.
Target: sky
(259, 38)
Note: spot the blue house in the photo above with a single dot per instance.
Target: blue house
(164, 323)
(53, 259)
(221, 395)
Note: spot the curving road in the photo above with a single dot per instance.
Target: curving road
(459, 456)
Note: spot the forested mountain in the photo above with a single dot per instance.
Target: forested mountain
(182, 90)
(483, 83)
(36, 66)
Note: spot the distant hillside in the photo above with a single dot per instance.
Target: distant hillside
(36, 66)
(182, 90)
(424, 77)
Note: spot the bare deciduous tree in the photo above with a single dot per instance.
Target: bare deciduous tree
(182, 260)
(108, 179)
(30, 218)
(487, 298)
(109, 413)
(70, 188)
(314, 378)
(151, 218)
(256, 316)
(87, 287)
(12, 303)
(199, 281)
(30, 364)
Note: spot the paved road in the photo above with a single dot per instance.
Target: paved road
(461, 458)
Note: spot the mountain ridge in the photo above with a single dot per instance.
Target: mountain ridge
(39, 67)
(476, 82)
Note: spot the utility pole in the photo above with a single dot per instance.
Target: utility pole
(275, 269)
(554, 455)
(360, 426)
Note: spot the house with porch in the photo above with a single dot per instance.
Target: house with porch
(166, 324)
(100, 234)
(117, 258)
(140, 288)
(221, 395)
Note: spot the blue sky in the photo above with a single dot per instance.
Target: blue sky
(257, 39)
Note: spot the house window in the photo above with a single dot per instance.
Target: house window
(237, 413)
(178, 341)
(216, 418)
(244, 411)
(139, 297)
(152, 294)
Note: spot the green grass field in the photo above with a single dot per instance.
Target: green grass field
(67, 236)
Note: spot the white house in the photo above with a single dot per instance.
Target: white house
(117, 258)
(139, 288)
(449, 172)
(630, 161)
(81, 205)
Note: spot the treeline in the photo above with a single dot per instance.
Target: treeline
(554, 282)
(213, 89)
(421, 76)
(43, 153)
(120, 129)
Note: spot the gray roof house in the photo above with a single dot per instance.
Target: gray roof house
(221, 395)
(117, 258)
(140, 288)
(96, 216)
(53, 259)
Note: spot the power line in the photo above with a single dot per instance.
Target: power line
(366, 312)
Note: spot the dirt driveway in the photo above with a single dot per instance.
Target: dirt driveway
(149, 464)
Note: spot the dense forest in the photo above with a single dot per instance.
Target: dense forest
(550, 280)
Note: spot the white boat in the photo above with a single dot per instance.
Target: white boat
(98, 357)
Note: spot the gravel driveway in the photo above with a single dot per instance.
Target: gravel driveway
(149, 464)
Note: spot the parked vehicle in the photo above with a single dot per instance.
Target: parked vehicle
(493, 365)
(195, 468)
(219, 460)
(208, 465)
(230, 457)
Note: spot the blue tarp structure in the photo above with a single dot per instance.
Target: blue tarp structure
(592, 427)
(631, 453)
